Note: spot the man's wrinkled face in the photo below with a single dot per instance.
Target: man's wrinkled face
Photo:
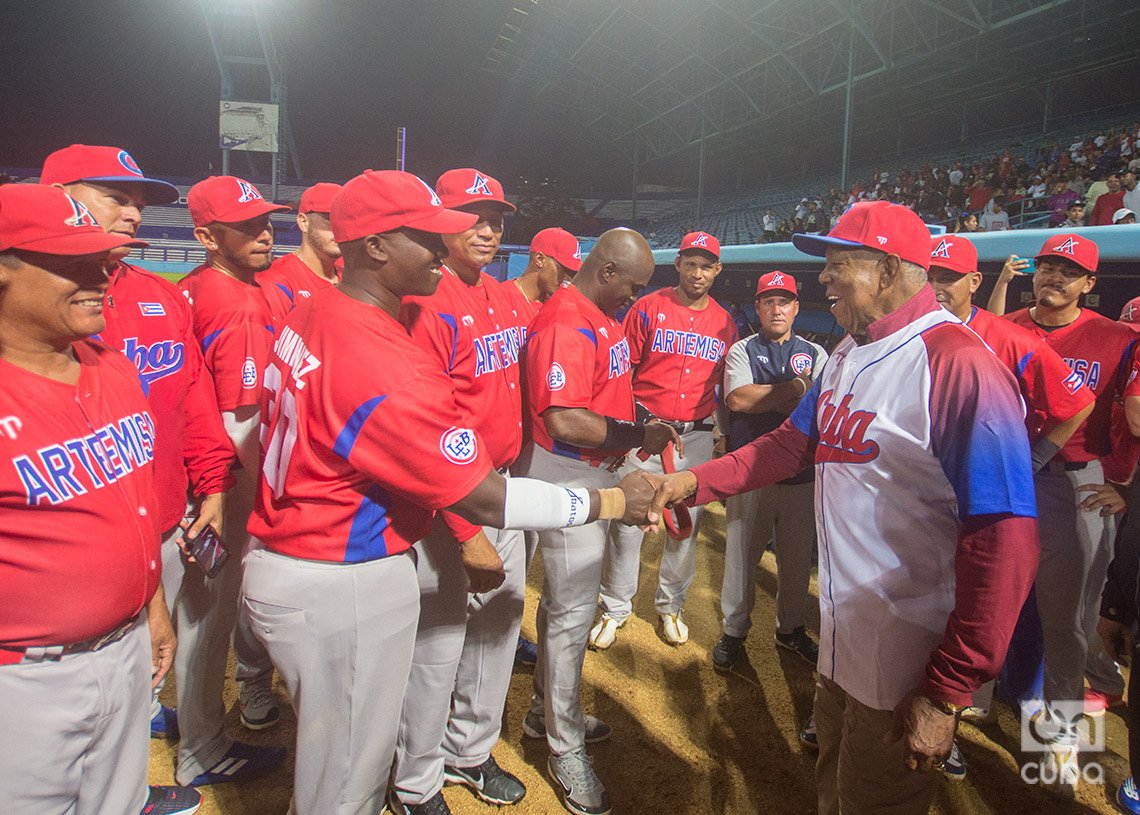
(852, 279)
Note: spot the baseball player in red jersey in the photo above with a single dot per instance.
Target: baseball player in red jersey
(678, 338)
(555, 257)
(1076, 545)
(83, 622)
(360, 451)
(234, 329)
(465, 644)
(580, 391)
(313, 266)
(149, 320)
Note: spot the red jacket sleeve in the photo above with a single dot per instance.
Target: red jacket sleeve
(995, 565)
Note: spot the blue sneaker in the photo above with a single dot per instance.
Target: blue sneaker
(242, 762)
(954, 767)
(526, 653)
(164, 724)
(171, 801)
(1128, 797)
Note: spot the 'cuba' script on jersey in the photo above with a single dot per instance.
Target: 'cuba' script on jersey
(843, 432)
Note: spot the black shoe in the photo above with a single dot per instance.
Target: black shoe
(727, 651)
(490, 782)
(800, 643)
(432, 806)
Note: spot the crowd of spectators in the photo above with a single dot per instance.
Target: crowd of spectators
(1091, 182)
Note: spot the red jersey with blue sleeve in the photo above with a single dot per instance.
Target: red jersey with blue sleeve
(1099, 350)
(234, 331)
(1052, 392)
(149, 320)
(577, 357)
(471, 333)
(79, 553)
(525, 309)
(288, 282)
(677, 354)
(359, 449)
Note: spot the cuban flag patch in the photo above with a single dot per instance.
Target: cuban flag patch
(152, 309)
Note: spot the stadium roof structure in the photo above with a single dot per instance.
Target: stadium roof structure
(659, 77)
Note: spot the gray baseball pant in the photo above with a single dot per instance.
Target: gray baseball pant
(1076, 548)
(678, 560)
(341, 637)
(788, 510)
(74, 731)
(572, 563)
(252, 665)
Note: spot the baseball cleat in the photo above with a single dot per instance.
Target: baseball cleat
(954, 767)
(798, 642)
(432, 806)
(258, 707)
(727, 650)
(534, 727)
(490, 782)
(676, 632)
(1127, 797)
(164, 724)
(526, 653)
(242, 762)
(808, 736)
(579, 788)
(171, 801)
(1065, 769)
(604, 632)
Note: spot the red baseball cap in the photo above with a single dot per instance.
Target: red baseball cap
(318, 198)
(106, 165)
(560, 245)
(43, 218)
(458, 188)
(880, 225)
(1130, 315)
(1081, 251)
(953, 252)
(379, 201)
(226, 199)
(777, 281)
(701, 240)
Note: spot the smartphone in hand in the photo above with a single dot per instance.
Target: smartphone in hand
(208, 551)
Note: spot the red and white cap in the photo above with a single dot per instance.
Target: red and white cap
(318, 198)
(103, 165)
(43, 218)
(1081, 251)
(880, 225)
(953, 252)
(776, 281)
(226, 199)
(700, 240)
(558, 244)
(1130, 314)
(378, 201)
(458, 188)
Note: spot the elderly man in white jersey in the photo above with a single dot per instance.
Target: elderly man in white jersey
(925, 513)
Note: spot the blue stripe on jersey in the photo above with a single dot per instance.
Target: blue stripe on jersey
(644, 319)
(347, 437)
(567, 450)
(588, 334)
(447, 318)
(1022, 364)
(209, 339)
(803, 417)
(285, 289)
(366, 537)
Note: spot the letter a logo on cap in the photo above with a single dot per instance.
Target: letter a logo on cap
(577, 251)
(248, 192)
(480, 187)
(701, 240)
(81, 216)
(942, 250)
(1068, 247)
(777, 279)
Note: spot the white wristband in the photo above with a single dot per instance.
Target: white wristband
(536, 505)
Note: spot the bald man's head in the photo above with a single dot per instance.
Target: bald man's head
(617, 268)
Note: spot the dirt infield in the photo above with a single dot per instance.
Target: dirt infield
(687, 739)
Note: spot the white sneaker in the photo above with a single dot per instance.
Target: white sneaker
(1066, 770)
(604, 632)
(676, 632)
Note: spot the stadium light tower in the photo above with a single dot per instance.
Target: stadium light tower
(251, 68)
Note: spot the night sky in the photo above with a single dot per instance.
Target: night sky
(141, 74)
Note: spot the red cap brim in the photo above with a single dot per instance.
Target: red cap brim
(251, 209)
(502, 203)
(81, 243)
(444, 222)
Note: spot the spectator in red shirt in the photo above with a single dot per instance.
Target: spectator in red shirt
(1108, 202)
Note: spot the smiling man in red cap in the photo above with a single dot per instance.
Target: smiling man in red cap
(678, 337)
(555, 257)
(235, 331)
(925, 513)
(312, 267)
(361, 451)
(1076, 545)
(79, 559)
